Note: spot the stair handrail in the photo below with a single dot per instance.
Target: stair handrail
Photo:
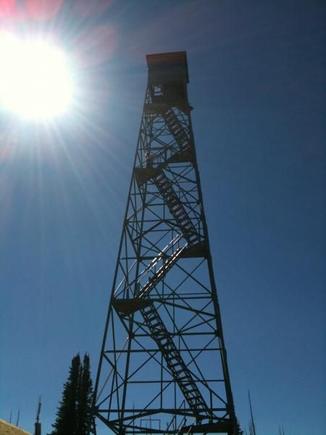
(162, 254)
(150, 157)
(124, 280)
(151, 265)
(182, 422)
(182, 404)
(141, 289)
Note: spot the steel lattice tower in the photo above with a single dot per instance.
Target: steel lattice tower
(163, 365)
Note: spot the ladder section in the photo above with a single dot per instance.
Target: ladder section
(176, 129)
(174, 361)
(176, 208)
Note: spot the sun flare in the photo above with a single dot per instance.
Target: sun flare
(35, 78)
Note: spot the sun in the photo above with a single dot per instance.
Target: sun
(35, 78)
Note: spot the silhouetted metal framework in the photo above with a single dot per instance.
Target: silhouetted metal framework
(163, 365)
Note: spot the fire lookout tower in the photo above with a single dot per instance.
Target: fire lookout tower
(163, 365)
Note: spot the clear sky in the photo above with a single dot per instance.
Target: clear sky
(257, 85)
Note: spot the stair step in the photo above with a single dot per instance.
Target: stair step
(175, 128)
(174, 361)
(176, 208)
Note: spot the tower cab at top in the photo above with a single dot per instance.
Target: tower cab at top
(168, 78)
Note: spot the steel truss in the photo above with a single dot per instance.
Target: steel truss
(163, 365)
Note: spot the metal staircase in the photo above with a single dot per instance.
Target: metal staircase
(165, 343)
(176, 208)
(153, 273)
(174, 361)
(161, 335)
(161, 272)
(176, 129)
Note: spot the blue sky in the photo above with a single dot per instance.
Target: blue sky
(257, 81)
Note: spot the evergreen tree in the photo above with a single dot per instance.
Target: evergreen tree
(74, 415)
(85, 399)
(66, 420)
